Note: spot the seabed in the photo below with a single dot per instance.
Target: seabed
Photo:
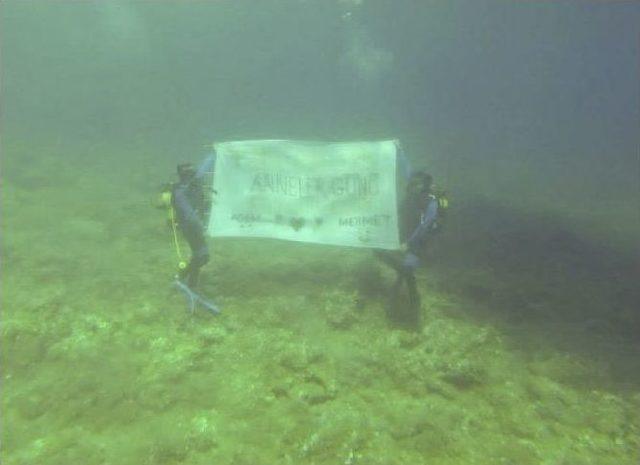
(526, 355)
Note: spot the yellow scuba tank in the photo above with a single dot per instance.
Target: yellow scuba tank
(443, 203)
(164, 200)
(443, 200)
(443, 206)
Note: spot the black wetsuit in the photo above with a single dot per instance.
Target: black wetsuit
(417, 219)
(191, 207)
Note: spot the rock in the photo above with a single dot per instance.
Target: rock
(464, 375)
(406, 340)
(314, 394)
(213, 335)
(341, 310)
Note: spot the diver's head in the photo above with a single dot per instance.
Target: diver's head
(186, 171)
(420, 182)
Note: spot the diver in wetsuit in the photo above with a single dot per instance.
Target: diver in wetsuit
(418, 216)
(191, 205)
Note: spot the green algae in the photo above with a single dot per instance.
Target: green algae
(102, 364)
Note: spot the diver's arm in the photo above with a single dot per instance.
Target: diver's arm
(422, 231)
(206, 166)
(403, 162)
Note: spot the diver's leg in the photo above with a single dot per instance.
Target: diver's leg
(413, 312)
(410, 264)
(390, 258)
(397, 288)
(197, 262)
(199, 258)
(393, 259)
(183, 273)
(194, 274)
(414, 295)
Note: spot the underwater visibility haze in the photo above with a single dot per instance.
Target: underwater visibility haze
(522, 343)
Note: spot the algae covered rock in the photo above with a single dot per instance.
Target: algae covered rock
(315, 386)
(31, 405)
(213, 335)
(341, 310)
(405, 339)
(608, 415)
(464, 374)
(336, 435)
(203, 434)
(301, 373)
(315, 393)
(298, 357)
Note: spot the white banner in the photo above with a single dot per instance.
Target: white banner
(327, 193)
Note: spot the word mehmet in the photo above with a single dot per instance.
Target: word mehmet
(352, 184)
(359, 221)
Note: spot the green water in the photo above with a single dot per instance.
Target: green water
(528, 350)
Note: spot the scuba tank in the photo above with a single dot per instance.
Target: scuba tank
(441, 197)
(165, 202)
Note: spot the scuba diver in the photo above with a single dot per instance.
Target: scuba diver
(419, 218)
(189, 207)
